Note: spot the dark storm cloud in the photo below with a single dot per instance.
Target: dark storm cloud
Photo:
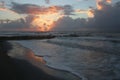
(35, 9)
(24, 8)
(17, 25)
(68, 9)
(20, 23)
(69, 24)
(107, 19)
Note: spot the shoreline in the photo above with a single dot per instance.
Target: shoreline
(37, 61)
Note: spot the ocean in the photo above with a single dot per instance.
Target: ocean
(90, 57)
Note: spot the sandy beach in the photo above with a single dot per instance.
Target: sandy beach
(20, 63)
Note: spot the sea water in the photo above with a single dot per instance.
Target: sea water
(94, 58)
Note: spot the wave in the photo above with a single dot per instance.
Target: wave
(82, 57)
(24, 53)
(99, 46)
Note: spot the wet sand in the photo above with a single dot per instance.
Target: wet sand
(20, 63)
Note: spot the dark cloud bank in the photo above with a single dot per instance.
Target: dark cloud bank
(35, 9)
(107, 19)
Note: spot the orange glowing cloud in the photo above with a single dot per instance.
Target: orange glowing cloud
(3, 9)
(109, 1)
(80, 11)
(44, 19)
(44, 10)
(99, 5)
(89, 12)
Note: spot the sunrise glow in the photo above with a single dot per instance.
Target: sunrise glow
(99, 5)
(44, 21)
(90, 13)
(109, 1)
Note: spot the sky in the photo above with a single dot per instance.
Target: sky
(76, 4)
(46, 15)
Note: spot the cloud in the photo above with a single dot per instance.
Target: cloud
(108, 18)
(69, 24)
(49, 14)
(35, 9)
(18, 24)
(68, 9)
(105, 19)
(102, 3)
(109, 1)
(25, 8)
(89, 12)
(47, 1)
(2, 4)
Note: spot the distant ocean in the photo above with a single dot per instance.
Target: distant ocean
(92, 57)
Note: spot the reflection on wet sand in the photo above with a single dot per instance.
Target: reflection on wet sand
(33, 59)
(39, 61)
(28, 55)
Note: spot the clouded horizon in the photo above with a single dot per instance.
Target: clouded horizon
(62, 15)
